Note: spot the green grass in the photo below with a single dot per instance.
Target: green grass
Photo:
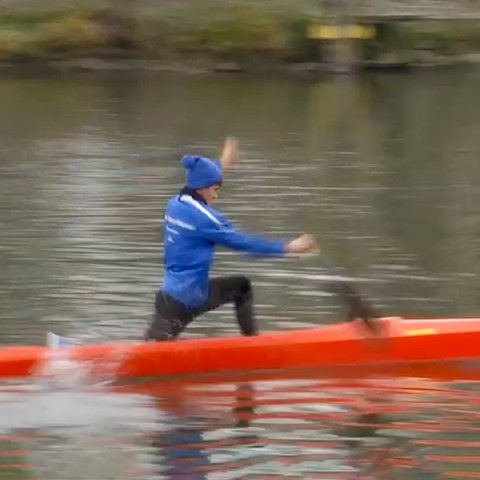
(38, 31)
(217, 29)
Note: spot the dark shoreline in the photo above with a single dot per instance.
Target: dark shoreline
(95, 65)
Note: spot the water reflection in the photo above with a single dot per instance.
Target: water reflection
(196, 447)
(277, 424)
(313, 428)
(88, 433)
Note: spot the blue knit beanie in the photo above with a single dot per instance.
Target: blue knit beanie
(202, 172)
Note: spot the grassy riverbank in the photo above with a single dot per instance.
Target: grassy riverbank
(214, 34)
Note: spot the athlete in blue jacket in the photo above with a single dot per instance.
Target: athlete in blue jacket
(192, 229)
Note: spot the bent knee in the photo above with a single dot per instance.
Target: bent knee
(244, 285)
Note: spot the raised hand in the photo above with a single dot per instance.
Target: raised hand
(229, 156)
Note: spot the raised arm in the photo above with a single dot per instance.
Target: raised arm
(229, 155)
(227, 235)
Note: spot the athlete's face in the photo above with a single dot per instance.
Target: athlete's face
(210, 194)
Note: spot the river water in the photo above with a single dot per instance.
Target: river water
(383, 170)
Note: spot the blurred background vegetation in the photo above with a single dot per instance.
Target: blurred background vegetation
(238, 32)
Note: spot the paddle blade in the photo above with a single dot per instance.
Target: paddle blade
(358, 307)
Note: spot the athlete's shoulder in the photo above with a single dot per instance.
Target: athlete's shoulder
(204, 213)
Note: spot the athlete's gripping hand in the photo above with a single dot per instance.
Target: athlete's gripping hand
(302, 244)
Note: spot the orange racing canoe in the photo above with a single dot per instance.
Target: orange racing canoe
(402, 340)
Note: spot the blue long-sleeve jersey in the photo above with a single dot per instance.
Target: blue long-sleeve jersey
(191, 231)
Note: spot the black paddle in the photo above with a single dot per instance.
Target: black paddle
(358, 306)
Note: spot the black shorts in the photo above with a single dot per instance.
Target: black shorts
(171, 316)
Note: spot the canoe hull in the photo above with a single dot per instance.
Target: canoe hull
(402, 341)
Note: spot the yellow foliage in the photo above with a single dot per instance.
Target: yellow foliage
(69, 34)
(15, 42)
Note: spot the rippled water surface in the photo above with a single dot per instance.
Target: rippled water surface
(384, 170)
(278, 426)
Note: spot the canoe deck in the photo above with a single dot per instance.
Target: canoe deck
(401, 340)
